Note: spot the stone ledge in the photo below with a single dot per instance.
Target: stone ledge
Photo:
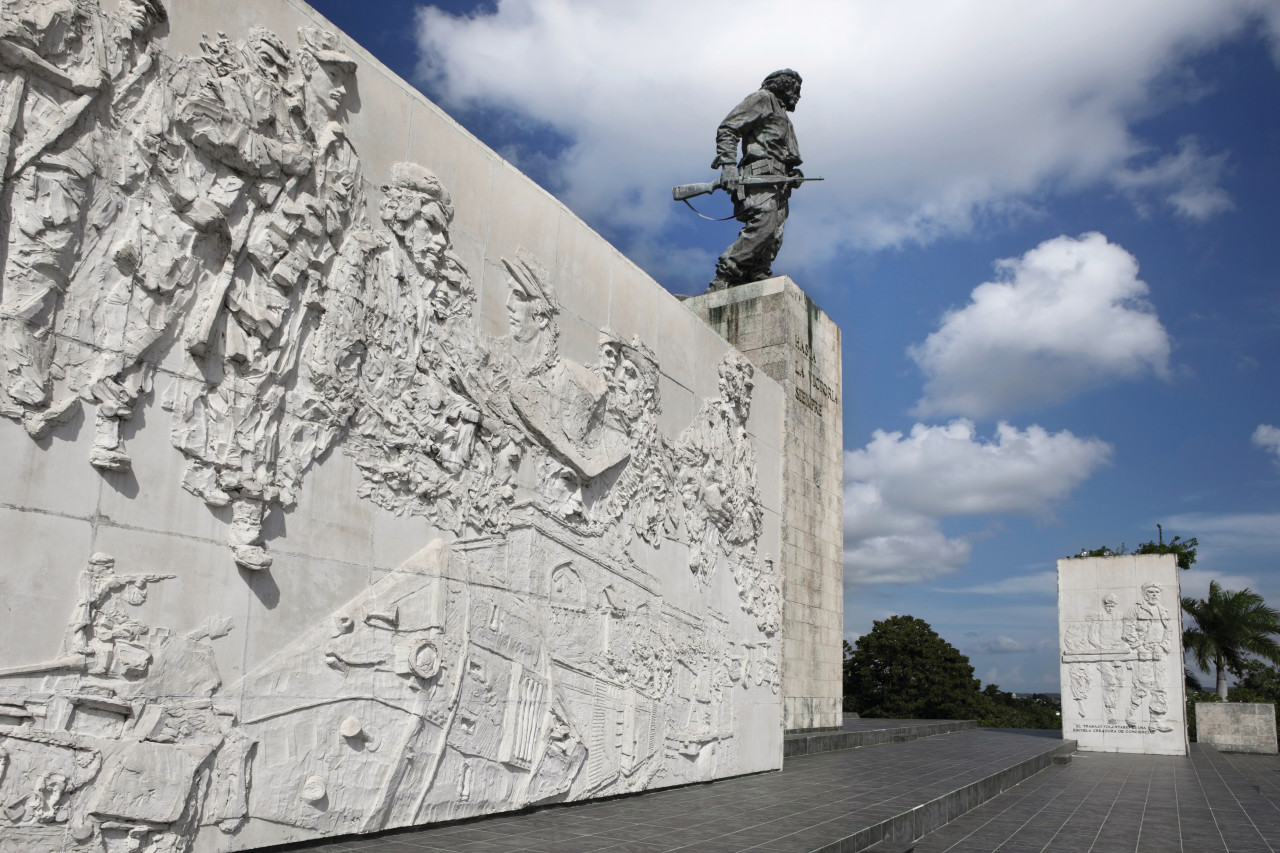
(797, 744)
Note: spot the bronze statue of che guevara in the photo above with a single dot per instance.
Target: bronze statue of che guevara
(769, 151)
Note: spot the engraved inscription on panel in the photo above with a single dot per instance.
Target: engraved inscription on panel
(194, 231)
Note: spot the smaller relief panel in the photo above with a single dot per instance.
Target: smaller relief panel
(1120, 637)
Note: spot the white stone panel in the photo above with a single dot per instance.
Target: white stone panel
(1120, 641)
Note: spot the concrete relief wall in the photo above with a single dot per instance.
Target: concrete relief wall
(1120, 635)
(351, 481)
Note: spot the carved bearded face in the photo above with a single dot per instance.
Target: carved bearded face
(426, 241)
(410, 217)
(269, 55)
(137, 16)
(1151, 594)
(610, 357)
(633, 388)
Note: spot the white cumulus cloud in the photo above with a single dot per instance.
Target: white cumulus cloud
(1268, 438)
(899, 487)
(1067, 315)
(924, 116)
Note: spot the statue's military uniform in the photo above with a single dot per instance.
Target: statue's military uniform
(768, 148)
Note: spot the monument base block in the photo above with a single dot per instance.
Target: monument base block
(1237, 726)
(785, 335)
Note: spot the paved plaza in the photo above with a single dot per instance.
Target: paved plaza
(848, 799)
(1104, 803)
(1000, 790)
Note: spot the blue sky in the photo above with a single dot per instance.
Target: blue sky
(1049, 231)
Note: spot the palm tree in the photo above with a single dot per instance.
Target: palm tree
(1229, 626)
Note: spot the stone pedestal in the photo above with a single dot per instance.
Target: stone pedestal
(1120, 635)
(791, 340)
(1237, 726)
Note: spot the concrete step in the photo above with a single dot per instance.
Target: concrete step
(868, 732)
(922, 785)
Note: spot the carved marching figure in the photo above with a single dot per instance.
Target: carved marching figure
(393, 347)
(1106, 633)
(51, 70)
(137, 270)
(1098, 642)
(769, 150)
(70, 335)
(717, 475)
(295, 195)
(1148, 630)
(642, 497)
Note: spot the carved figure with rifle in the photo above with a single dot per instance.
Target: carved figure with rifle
(760, 182)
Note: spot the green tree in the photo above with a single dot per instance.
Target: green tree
(1261, 680)
(1182, 549)
(1006, 711)
(902, 669)
(1229, 627)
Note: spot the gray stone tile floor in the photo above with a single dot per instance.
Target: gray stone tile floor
(1099, 803)
(1103, 803)
(815, 801)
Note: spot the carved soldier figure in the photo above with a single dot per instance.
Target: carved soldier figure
(769, 149)
(395, 331)
(301, 198)
(717, 476)
(75, 335)
(125, 297)
(50, 71)
(1106, 633)
(100, 627)
(642, 494)
(1148, 630)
